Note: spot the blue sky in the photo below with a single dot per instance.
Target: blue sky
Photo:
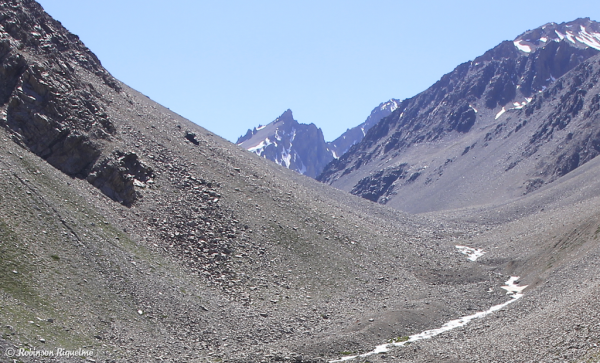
(232, 65)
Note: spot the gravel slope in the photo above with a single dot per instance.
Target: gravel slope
(170, 243)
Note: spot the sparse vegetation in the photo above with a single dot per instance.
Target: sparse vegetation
(399, 339)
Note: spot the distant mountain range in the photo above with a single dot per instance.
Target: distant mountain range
(301, 147)
(514, 119)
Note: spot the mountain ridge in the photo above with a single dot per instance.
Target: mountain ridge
(311, 153)
(488, 93)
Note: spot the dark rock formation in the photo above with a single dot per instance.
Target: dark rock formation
(118, 175)
(380, 184)
(51, 110)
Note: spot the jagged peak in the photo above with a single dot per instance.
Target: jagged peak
(582, 32)
(287, 115)
(285, 118)
(391, 104)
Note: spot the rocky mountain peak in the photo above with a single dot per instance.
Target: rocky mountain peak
(296, 146)
(265, 140)
(582, 32)
(287, 116)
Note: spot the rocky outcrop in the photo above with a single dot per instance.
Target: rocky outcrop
(57, 118)
(53, 111)
(378, 187)
(118, 176)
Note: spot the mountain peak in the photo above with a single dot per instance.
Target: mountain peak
(286, 116)
(582, 32)
(296, 146)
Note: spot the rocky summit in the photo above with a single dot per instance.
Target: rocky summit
(296, 146)
(302, 147)
(129, 234)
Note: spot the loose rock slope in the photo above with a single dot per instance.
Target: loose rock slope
(129, 231)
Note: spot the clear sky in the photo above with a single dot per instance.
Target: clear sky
(232, 65)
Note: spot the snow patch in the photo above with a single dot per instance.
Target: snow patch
(302, 169)
(592, 40)
(515, 294)
(258, 149)
(472, 253)
(474, 109)
(502, 111)
(522, 47)
(512, 288)
(260, 127)
(139, 184)
(519, 106)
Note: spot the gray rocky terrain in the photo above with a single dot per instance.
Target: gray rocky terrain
(133, 233)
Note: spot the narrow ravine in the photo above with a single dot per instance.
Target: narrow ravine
(511, 287)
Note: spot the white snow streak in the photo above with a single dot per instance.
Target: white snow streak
(513, 290)
(258, 149)
(592, 40)
(519, 106)
(522, 47)
(472, 253)
(502, 111)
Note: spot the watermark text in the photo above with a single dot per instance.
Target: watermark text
(58, 352)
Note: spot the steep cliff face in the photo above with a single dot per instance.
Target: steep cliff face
(52, 110)
(479, 107)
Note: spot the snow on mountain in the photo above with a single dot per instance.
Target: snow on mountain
(296, 146)
(516, 118)
(583, 32)
(302, 147)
